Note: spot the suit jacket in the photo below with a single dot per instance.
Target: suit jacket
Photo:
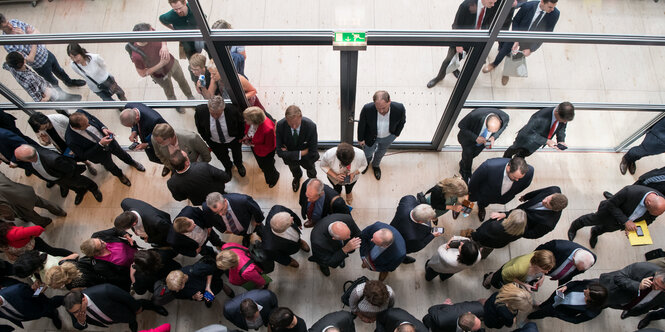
(525, 15)
(197, 182)
(235, 123)
(416, 235)
(623, 286)
(113, 302)
(534, 134)
(156, 223)
(114, 274)
(20, 197)
(180, 242)
(472, 124)
(9, 141)
(343, 320)
(485, 183)
(491, 234)
(148, 119)
(338, 206)
(307, 139)
(660, 186)
(575, 313)
(84, 148)
(443, 317)
(562, 249)
(624, 202)
(188, 141)
(263, 297)
(389, 320)
(367, 122)
(55, 164)
(325, 250)
(275, 245)
(244, 207)
(539, 222)
(20, 297)
(264, 138)
(391, 257)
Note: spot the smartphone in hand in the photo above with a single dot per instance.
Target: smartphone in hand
(561, 146)
(437, 230)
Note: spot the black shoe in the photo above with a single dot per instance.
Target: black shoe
(165, 171)
(632, 168)
(98, 195)
(623, 166)
(125, 180)
(50, 184)
(160, 310)
(78, 199)
(456, 73)
(572, 231)
(139, 166)
(295, 185)
(365, 170)
(91, 170)
(60, 212)
(408, 260)
(342, 264)
(377, 172)
(180, 110)
(241, 170)
(487, 281)
(593, 240)
(208, 304)
(645, 321)
(75, 82)
(607, 194)
(432, 83)
(57, 322)
(624, 314)
(64, 191)
(274, 183)
(481, 214)
(455, 214)
(325, 270)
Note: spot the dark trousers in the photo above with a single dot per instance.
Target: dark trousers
(52, 67)
(338, 187)
(107, 94)
(497, 279)
(602, 220)
(468, 153)
(651, 145)
(516, 151)
(80, 184)
(431, 274)
(545, 309)
(221, 151)
(449, 57)
(34, 217)
(150, 152)
(504, 49)
(267, 165)
(40, 245)
(281, 258)
(306, 163)
(115, 149)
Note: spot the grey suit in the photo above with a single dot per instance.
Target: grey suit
(623, 286)
(188, 141)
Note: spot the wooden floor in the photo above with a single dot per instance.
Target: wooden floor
(308, 76)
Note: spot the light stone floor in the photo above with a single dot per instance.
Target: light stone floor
(308, 76)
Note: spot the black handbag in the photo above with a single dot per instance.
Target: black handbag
(351, 286)
(258, 256)
(106, 85)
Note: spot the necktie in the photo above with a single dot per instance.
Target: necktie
(295, 137)
(138, 126)
(222, 139)
(97, 317)
(551, 133)
(232, 224)
(310, 210)
(564, 270)
(480, 18)
(636, 301)
(56, 139)
(535, 23)
(657, 178)
(93, 135)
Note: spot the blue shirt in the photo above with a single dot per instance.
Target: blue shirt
(640, 209)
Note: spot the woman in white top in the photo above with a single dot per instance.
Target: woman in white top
(458, 254)
(370, 298)
(93, 69)
(343, 165)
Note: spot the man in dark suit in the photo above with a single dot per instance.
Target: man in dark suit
(90, 140)
(146, 221)
(244, 312)
(574, 310)
(393, 318)
(9, 142)
(382, 248)
(630, 287)
(631, 204)
(381, 122)
(237, 214)
(340, 320)
(104, 305)
(142, 119)
(654, 178)
(449, 317)
(541, 129)
(52, 166)
(297, 142)
(570, 259)
(413, 221)
(497, 181)
(222, 126)
(468, 17)
(18, 304)
(543, 210)
(8, 121)
(533, 16)
(332, 239)
(191, 232)
(477, 130)
(281, 236)
(318, 200)
(194, 180)
(18, 201)
(653, 143)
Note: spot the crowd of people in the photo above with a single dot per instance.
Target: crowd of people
(97, 286)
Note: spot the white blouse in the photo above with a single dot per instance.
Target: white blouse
(329, 161)
(95, 68)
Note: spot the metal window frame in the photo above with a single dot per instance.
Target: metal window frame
(217, 42)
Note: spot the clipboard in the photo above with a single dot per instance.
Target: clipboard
(645, 239)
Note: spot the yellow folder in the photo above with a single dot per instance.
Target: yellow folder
(645, 239)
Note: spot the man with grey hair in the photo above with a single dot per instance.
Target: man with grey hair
(281, 236)
(381, 122)
(570, 259)
(222, 126)
(332, 239)
(142, 120)
(382, 248)
(235, 214)
(414, 223)
(297, 141)
(318, 200)
(636, 289)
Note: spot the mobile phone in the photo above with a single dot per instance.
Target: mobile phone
(347, 179)
(208, 296)
(133, 145)
(560, 294)
(38, 291)
(110, 136)
(561, 146)
(437, 230)
(488, 144)
(639, 231)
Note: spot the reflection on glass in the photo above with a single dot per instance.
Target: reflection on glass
(181, 17)
(238, 53)
(92, 68)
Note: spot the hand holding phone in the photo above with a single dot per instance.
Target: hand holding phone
(133, 146)
(559, 293)
(38, 291)
(561, 146)
(208, 296)
(437, 230)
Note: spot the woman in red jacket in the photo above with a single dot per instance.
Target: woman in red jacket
(260, 135)
(15, 240)
(242, 272)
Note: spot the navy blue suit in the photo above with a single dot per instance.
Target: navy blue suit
(539, 222)
(416, 235)
(30, 308)
(148, 119)
(244, 207)
(562, 249)
(9, 141)
(570, 313)
(279, 249)
(485, 183)
(262, 297)
(653, 143)
(186, 246)
(156, 222)
(115, 303)
(391, 257)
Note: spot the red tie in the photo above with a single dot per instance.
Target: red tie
(480, 18)
(549, 136)
(310, 210)
(638, 299)
(564, 270)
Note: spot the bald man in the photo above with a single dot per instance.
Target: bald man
(332, 239)
(142, 120)
(570, 259)
(52, 166)
(631, 204)
(477, 130)
(382, 249)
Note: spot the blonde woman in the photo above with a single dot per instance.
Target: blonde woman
(498, 233)
(260, 135)
(242, 271)
(446, 195)
(502, 307)
(527, 270)
(68, 275)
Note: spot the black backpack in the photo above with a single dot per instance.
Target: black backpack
(258, 256)
(130, 47)
(352, 285)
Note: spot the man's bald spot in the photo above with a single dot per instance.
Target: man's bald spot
(655, 204)
(386, 237)
(493, 124)
(340, 230)
(25, 152)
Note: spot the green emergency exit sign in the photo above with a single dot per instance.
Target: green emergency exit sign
(349, 41)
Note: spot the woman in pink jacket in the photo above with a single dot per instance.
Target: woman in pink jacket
(242, 271)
